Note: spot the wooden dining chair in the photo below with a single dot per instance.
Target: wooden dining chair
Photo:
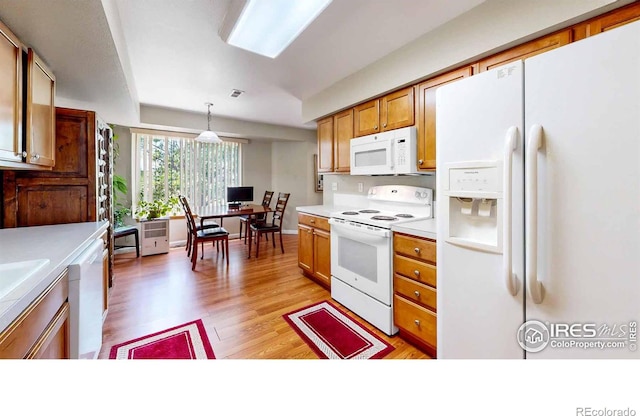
(184, 202)
(247, 220)
(215, 235)
(275, 226)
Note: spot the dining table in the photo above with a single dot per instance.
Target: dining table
(222, 212)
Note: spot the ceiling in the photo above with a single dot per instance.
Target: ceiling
(113, 56)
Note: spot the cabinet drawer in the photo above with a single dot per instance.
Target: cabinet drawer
(422, 294)
(21, 335)
(314, 221)
(414, 269)
(415, 319)
(418, 248)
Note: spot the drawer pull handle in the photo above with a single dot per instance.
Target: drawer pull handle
(417, 322)
(417, 250)
(416, 272)
(312, 221)
(417, 294)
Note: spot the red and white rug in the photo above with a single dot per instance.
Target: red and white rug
(332, 334)
(188, 341)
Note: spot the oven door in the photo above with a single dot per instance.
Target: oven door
(361, 258)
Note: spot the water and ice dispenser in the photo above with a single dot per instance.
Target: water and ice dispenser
(474, 197)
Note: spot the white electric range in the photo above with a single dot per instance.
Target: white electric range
(361, 250)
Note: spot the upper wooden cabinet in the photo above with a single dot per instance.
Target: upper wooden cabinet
(607, 21)
(325, 145)
(392, 111)
(10, 96)
(426, 127)
(41, 113)
(334, 141)
(27, 111)
(526, 50)
(343, 133)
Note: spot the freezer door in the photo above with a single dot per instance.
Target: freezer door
(583, 200)
(479, 153)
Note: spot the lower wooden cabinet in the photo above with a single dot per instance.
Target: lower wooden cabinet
(414, 287)
(314, 248)
(42, 330)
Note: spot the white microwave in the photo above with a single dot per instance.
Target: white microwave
(389, 153)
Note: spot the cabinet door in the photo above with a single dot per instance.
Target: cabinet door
(10, 96)
(305, 248)
(606, 22)
(322, 255)
(54, 342)
(426, 128)
(105, 280)
(325, 145)
(397, 109)
(526, 50)
(366, 118)
(343, 125)
(41, 117)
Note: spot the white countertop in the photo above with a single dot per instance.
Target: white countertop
(58, 243)
(322, 210)
(419, 228)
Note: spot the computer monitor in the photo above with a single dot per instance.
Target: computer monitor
(238, 194)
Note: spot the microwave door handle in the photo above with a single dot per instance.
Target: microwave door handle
(390, 158)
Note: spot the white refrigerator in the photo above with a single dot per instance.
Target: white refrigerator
(538, 205)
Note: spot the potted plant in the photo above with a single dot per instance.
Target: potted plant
(156, 208)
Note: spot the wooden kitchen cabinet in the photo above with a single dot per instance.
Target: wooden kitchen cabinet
(607, 21)
(314, 248)
(41, 113)
(426, 125)
(334, 142)
(415, 293)
(10, 98)
(77, 189)
(42, 330)
(527, 50)
(393, 111)
(325, 144)
(343, 133)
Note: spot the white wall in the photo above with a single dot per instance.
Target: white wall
(347, 184)
(293, 172)
(492, 26)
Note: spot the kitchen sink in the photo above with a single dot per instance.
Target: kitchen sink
(13, 274)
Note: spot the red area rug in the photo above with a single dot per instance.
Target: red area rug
(332, 334)
(188, 341)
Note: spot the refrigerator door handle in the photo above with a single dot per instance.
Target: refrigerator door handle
(511, 143)
(536, 290)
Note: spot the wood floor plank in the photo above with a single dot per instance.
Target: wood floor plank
(241, 305)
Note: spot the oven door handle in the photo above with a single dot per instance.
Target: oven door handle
(358, 232)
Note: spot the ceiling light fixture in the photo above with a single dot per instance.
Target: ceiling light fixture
(268, 27)
(208, 136)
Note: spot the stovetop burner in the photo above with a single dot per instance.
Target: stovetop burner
(349, 213)
(404, 215)
(383, 218)
(369, 211)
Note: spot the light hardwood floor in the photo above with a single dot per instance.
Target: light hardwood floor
(241, 306)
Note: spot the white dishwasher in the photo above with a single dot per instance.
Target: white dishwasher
(85, 302)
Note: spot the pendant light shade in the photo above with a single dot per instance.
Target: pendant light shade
(208, 136)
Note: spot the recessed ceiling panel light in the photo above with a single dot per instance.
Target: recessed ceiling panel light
(268, 27)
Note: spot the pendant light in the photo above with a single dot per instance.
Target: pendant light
(208, 136)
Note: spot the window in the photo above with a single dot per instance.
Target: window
(168, 164)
